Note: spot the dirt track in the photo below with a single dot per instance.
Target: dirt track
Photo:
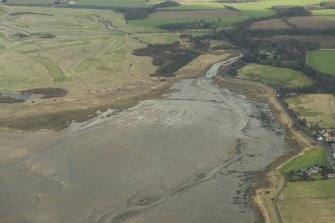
(199, 146)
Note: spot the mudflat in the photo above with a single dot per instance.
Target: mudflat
(191, 156)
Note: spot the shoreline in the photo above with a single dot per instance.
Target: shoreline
(61, 118)
(270, 179)
(232, 176)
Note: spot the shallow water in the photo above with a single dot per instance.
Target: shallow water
(18, 95)
(188, 157)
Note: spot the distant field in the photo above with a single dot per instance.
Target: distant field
(303, 22)
(323, 40)
(311, 22)
(253, 9)
(327, 13)
(315, 156)
(322, 60)
(309, 202)
(116, 3)
(315, 108)
(283, 77)
(270, 24)
(193, 14)
(152, 24)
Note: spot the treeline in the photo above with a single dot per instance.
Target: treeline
(166, 4)
(291, 11)
(236, 1)
(202, 24)
(232, 8)
(176, 63)
(170, 57)
(328, 4)
(135, 13)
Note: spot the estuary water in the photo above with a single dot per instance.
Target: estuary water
(191, 156)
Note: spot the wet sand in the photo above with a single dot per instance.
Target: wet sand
(191, 156)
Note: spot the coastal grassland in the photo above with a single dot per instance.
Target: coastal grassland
(2, 35)
(85, 65)
(282, 77)
(312, 201)
(58, 113)
(322, 60)
(158, 38)
(315, 108)
(53, 68)
(114, 3)
(83, 56)
(311, 157)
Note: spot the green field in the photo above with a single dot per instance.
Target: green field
(282, 77)
(328, 13)
(114, 3)
(311, 190)
(322, 60)
(219, 21)
(309, 202)
(312, 157)
(85, 65)
(53, 68)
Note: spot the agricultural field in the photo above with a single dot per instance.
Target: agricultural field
(283, 77)
(322, 60)
(194, 14)
(325, 41)
(315, 108)
(302, 22)
(275, 24)
(327, 13)
(308, 202)
(252, 9)
(311, 22)
(221, 22)
(311, 157)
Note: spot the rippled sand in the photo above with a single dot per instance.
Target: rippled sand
(189, 157)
